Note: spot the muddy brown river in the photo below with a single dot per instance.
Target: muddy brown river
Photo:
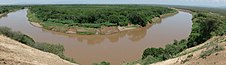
(117, 48)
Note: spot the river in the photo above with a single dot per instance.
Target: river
(116, 48)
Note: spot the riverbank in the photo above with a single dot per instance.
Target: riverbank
(3, 14)
(179, 48)
(5, 10)
(16, 53)
(36, 24)
(104, 30)
(212, 50)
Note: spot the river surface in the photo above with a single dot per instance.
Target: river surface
(116, 48)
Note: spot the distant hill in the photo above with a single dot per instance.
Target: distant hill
(224, 7)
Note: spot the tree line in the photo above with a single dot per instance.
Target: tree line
(95, 16)
(7, 9)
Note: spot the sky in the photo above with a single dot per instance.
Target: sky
(212, 3)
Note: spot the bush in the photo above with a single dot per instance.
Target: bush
(165, 53)
(17, 36)
(55, 49)
(59, 27)
(211, 51)
(150, 60)
(27, 40)
(86, 33)
(51, 48)
(108, 24)
(102, 63)
(154, 52)
(90, 25)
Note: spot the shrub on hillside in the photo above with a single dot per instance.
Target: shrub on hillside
(205, 25)
(51, 48)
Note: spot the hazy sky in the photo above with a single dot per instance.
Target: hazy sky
(170, 2)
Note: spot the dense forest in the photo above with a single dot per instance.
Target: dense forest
(94, 16)
(7, 9)
(204, 9)
(205, 25)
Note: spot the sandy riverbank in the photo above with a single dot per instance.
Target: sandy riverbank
(36, 24)
(3, 14)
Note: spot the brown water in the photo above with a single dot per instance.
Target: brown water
(116, 48)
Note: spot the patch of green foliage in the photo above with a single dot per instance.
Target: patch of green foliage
(51, 48)
(90, 25)
(31, 17)
(102, 63)
(95, 16)
(17, 36)
(165, 53)
(149, 60)
(86, 33)
(211, 51)
(59, 27)
(7, 9)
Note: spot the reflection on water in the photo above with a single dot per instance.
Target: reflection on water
(133, 35)
(116, 48)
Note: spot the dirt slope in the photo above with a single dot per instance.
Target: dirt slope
(193, 56)
(16, 53)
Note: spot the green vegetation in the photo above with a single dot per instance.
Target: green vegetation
(169, 51)
(102, 63)
(205, 25)
(7, 9)
(149, 60)
(204, 9)
(94, 16)
(211, 51)
(86, 33)
(51, 48)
